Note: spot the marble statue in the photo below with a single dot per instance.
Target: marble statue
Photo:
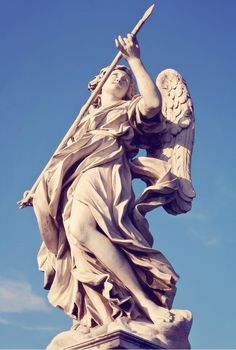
(97, 256)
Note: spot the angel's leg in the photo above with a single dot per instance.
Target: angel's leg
(83, 229)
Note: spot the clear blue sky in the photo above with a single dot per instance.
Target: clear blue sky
(49, 51)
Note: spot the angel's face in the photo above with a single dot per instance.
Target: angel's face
(117, 84)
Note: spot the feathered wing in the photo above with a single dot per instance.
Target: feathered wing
(177, 138)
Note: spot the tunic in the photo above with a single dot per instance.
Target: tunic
(97, 169)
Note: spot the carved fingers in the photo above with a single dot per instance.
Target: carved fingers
(128, 46)
(26, 201)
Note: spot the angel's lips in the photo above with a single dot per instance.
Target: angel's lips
(116, 83)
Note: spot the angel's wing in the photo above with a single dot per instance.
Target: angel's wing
(177, 138)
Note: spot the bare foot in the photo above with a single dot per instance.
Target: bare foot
(157, 313)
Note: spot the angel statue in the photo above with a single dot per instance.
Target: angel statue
(97, 256)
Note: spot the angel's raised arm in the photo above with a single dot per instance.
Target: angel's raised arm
(150, 103)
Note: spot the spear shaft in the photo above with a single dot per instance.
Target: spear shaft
(26, 200)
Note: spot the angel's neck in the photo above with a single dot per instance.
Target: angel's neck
(108, 99)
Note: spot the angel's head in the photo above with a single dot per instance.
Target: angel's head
(120, 83)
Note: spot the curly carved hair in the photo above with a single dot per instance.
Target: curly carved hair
(132, 91)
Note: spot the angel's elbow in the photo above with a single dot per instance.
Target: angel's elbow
(153, 109)
(155, 103)
(155, 106)
(150, 107)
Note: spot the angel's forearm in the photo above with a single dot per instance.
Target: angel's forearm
(150, 104)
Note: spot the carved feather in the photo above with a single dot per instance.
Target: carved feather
(178, 136)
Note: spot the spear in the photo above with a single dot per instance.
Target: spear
(26, 201)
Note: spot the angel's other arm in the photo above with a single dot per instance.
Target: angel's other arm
(150, 103)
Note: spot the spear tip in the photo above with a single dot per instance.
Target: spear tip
(148, 12)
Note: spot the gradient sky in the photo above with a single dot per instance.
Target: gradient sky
(49, 51)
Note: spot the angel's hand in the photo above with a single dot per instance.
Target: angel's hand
(128, 46)
(26, 201)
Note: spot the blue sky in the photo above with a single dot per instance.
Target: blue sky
(49, 51)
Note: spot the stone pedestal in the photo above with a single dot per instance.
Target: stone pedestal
(115, 340)
(123, 334)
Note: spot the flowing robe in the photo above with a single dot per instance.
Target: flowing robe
(97, 170)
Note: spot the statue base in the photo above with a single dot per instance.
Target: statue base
(127, 334)
(115, 340)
